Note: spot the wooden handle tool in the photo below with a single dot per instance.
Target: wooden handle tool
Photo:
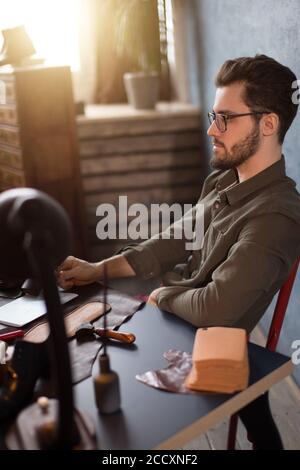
(123, 337)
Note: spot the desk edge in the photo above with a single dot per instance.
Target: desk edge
(226, 409)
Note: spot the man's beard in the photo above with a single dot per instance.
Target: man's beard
(240, 152)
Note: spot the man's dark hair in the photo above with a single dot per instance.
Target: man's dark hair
(268, 86)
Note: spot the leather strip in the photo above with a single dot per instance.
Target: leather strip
(85, 314)
(84, 354)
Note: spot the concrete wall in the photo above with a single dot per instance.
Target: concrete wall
(222, 29)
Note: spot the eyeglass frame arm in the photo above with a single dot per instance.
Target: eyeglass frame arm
(227, 117)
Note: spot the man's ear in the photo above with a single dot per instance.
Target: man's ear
(270, 124)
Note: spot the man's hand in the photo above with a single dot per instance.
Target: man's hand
(77, 272)
(152, 299)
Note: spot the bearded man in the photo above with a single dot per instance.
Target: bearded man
(251, 221)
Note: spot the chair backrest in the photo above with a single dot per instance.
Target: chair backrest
(280, 308)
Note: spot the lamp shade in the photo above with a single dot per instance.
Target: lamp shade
(26, 212)
(17, 45)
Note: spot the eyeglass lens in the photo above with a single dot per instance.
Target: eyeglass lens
(219, 120)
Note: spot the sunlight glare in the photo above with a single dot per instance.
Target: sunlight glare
(53, 26)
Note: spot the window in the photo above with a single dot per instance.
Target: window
(51, 24)
(147, 22)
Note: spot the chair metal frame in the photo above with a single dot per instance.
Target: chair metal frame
(272, 340)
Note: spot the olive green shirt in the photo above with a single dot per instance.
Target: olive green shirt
(251, 240)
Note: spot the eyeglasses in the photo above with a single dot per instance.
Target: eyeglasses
(221, 119)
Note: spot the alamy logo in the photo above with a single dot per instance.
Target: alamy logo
(296, 94)
(2, 92)
(296, 353)
(139, 222)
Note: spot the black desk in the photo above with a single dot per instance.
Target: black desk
(152, 418)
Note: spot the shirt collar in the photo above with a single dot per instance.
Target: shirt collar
(228, 182)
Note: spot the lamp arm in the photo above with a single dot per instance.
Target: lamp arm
(38, 245)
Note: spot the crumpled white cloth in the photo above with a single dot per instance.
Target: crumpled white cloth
(172, 377)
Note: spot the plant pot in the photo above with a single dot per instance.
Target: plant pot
(142, 89)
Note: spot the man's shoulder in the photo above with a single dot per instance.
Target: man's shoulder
(272, 218)
(280, 198)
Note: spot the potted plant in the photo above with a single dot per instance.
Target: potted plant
(137, 40)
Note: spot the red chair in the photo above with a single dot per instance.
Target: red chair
(273, 337)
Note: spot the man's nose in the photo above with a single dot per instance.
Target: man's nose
(213, 131)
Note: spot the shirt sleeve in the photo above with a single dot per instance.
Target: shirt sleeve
(159, 254)
(162, 252)
(262, 256)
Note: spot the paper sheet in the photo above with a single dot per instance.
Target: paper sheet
(27, 308)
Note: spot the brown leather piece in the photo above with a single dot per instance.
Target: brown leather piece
(123, 307)
(221, 379)
(83, 355)
(85, 314)
(220, 360)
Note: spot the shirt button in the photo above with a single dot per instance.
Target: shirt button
(216, 205)
(218, 187)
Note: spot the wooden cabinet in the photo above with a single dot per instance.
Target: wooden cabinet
(149, 156)
(38, 138)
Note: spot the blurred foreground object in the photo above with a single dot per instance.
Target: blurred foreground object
(35, 238)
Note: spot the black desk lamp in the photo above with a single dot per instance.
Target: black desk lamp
(34, 239)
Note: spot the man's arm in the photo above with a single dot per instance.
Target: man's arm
(259, 261)
(145, 260)
(163, 251)
(77, 272)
